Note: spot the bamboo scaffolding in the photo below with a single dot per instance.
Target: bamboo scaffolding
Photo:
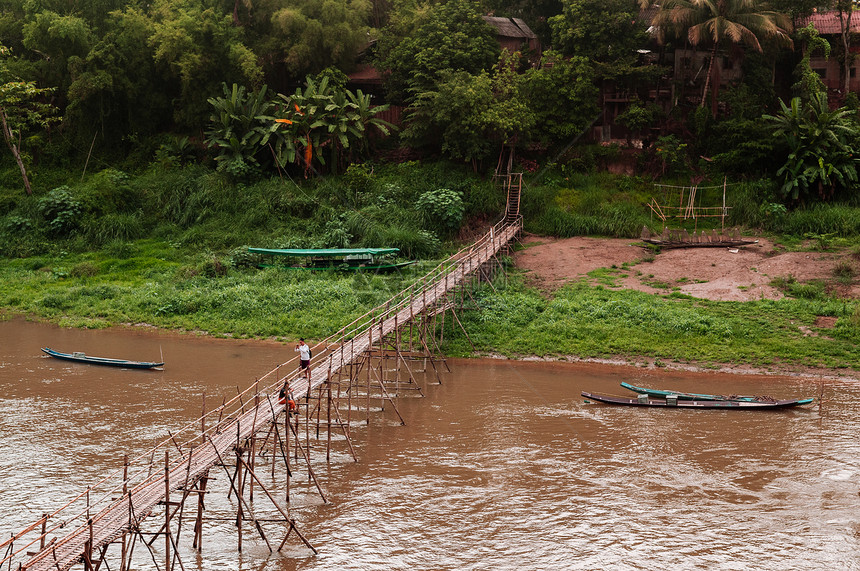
(83, 528)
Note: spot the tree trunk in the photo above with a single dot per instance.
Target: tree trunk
(10, 142)
(846, 46)
(708, 77)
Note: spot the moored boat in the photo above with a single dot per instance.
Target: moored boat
(79, 357)
(335, 258)
(673, 402)
(659, 393)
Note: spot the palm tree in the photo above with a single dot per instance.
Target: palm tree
(720, 22)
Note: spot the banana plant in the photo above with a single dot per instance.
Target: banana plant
(366, 117)
(239, 126)
(317, 117)
(301, 132)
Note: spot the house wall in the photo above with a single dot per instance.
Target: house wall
(829, 71)
(693, 65)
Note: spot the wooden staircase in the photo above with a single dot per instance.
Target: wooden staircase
(513, 186)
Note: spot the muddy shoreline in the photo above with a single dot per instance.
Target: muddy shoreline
(635, 365)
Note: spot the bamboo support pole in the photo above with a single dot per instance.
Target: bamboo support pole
(417, 309)
(124, 541)
(198, 524)
(166, 509)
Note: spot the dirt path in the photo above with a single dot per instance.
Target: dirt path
(727, 274)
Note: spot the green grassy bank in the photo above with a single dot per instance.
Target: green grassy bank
(168, 247)
(587, 321)
(153, 283)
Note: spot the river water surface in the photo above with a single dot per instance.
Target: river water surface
(501, 466)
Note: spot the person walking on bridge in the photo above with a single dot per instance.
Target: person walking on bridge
(304, 352)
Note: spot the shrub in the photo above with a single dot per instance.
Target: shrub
(120, 249)
(844, 270)
(17, 224)
(413, 243)
(108, 192)
(115, 227)
(213, 268)
(241, 258)
(84, 269)
(441, 209)
(336, 234)
(60, 210)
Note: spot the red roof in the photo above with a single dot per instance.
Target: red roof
(366, 74)
(828, 22)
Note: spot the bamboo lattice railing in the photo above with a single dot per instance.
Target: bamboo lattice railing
(93, 518)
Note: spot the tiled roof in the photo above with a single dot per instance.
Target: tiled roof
(510, 27)
(828, 22)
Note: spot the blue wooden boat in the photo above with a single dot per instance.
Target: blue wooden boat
(659, 393)
(79, 357)
(671, 402)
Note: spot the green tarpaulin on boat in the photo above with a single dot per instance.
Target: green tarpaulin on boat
(324, 253)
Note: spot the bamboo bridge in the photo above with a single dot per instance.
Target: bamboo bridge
(142, 504)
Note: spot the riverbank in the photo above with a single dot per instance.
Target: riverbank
(607, 301)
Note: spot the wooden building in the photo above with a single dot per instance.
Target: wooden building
(829, 69)
(513, 34)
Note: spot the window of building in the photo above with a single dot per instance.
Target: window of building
(822, 72)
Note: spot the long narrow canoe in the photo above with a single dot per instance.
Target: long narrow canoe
(702, 404)
(658, 393)
(78, 357)
(336, 258)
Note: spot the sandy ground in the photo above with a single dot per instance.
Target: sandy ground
(727, 274)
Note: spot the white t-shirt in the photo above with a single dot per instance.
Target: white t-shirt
(304, 352)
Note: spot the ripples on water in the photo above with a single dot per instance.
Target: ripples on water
(503, 466)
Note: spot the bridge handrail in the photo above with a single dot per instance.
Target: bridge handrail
(463, 259)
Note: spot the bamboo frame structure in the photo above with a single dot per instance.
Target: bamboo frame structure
(242, 435)
(686, 208)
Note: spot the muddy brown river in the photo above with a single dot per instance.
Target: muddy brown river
(502, 466)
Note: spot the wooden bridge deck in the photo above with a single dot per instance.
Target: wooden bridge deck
(94, 519)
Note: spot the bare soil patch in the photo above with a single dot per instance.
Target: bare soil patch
(727, 274)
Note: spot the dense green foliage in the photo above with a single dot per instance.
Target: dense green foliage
(407, 206)
(445, 37)
(821, 153)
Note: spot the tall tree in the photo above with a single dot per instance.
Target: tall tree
(720, 23)
(563, 96)
(22, 107)
(119, 88)
(294, 38)
(422, 42)
(845, 10)
(196, 47)
(58, 39)
(470, 116)
(605, 31)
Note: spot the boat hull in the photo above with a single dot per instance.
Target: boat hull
(700, 404)
(81, 358)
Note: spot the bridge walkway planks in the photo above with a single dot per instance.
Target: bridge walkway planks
(125, 513)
